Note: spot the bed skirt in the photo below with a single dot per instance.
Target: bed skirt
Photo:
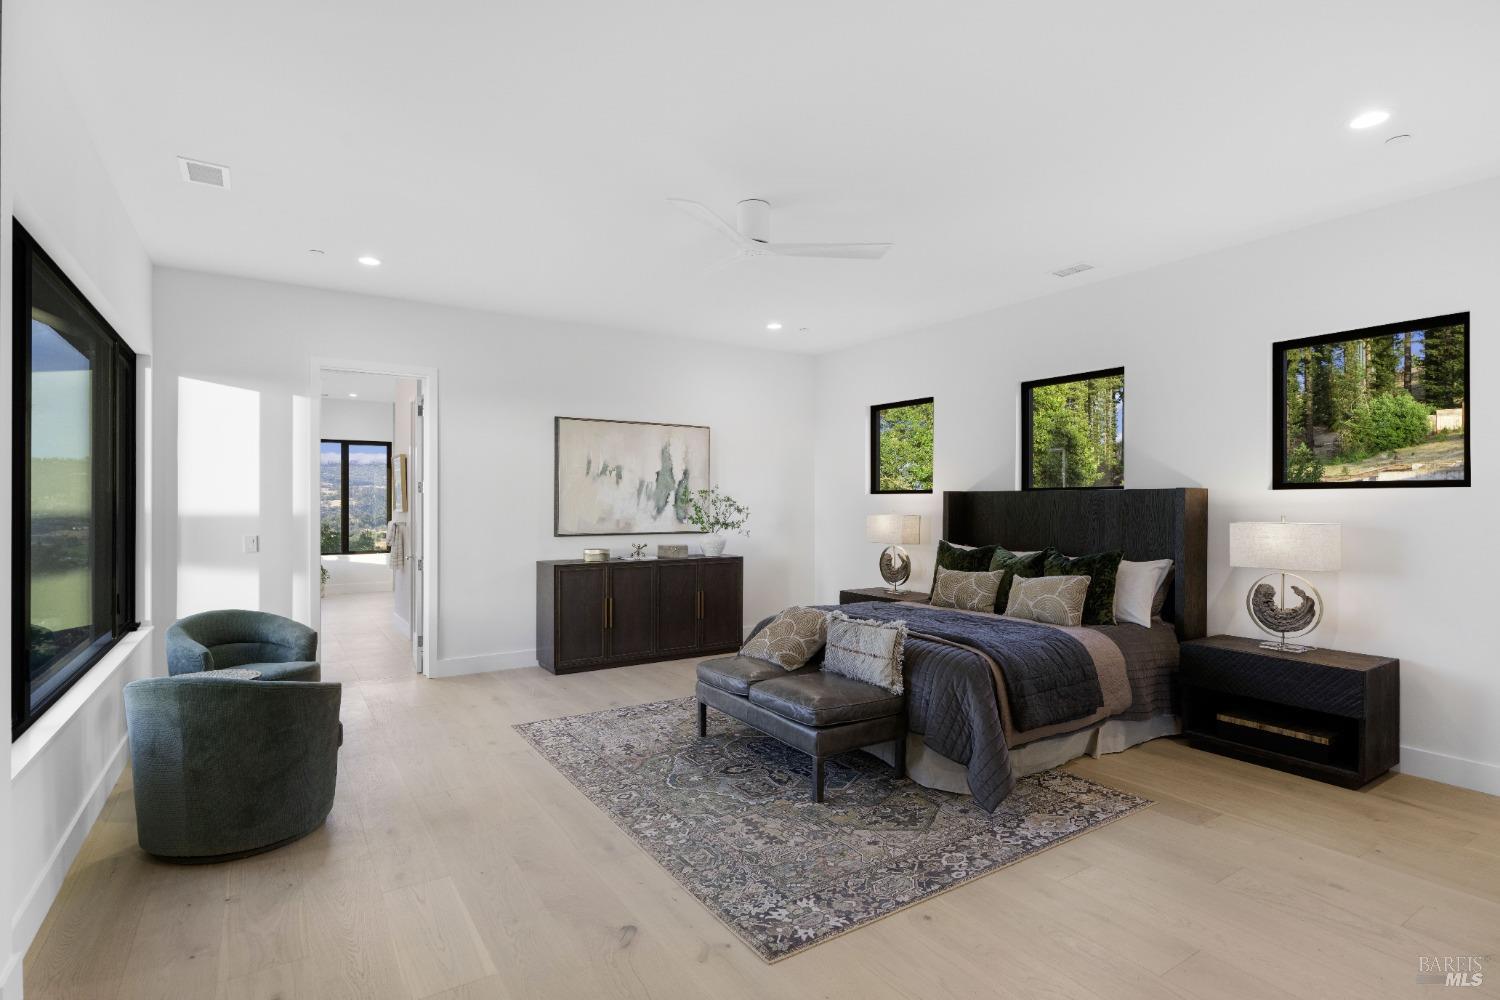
(932, 770)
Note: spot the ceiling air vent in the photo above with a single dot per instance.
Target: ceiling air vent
(1072, 269)
(201, 172)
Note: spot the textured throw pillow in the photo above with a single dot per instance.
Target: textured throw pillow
(865, 650)
(1136, 587)
(1014, 564)
(1160, 600)
(966, 559)
(1052, 600)
(1101, 568)
(790, 639)
(953, 588)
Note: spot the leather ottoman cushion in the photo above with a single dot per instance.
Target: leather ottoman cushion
(822, 699)
(736, 674)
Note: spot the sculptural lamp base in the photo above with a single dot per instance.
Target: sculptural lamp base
(895, 567)
(1268, 609)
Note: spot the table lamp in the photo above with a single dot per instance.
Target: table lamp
(1283, 547)
(894, 530)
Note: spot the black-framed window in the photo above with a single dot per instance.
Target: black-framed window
(73, 476)
(1382, 406)
(1073, 432)
(354, 496)
(901, 437)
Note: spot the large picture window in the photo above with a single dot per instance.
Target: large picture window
(901, 447)
(1073, 431)
(73, 589)
(354, 490)
(1383, 406)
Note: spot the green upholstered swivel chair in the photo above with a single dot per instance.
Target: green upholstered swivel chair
(278, 647)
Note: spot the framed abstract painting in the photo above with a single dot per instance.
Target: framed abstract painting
(626, 477)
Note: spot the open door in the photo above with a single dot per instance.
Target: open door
(417, 535)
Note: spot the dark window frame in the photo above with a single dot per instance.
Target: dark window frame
(113, 473)
(1027, 445)
(344, 444)
(875, 412)
(1278, 402)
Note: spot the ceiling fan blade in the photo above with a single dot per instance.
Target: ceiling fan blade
(706, 216)
(845, 251)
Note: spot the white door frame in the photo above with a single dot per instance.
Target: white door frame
(429, 379)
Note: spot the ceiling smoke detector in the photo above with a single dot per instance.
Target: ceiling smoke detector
(1072, 269)
(203, 172)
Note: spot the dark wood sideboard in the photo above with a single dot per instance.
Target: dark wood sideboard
(593, 615)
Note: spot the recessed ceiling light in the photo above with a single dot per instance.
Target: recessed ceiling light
(317, 252)
(773, 325)
(1396, 140)
(352, 395)
(1369, 119)
(368, 261)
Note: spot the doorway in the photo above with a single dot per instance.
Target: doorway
(373, 505)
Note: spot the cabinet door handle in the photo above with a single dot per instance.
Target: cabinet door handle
(611, 612)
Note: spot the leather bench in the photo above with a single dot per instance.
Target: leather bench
(819, 714)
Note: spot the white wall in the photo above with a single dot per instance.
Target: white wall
(501, 380)
(1195, 339)
(52, 180)
(356, 420)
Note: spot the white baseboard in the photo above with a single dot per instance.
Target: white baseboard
(457, 666)
(400, 624)
(1450, 770)
(11, 985)
(33, 910)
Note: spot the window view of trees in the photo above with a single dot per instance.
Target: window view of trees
(354, 490)
(902, 447)
(1075, 431)
(1384, 408)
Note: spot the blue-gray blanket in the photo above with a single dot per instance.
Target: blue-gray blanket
(1049, 675)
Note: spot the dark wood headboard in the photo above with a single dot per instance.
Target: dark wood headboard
(1144, 524)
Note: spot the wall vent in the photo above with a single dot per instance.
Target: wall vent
(1072, 269)
(202, 172)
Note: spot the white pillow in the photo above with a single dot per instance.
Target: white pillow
(1135, 589)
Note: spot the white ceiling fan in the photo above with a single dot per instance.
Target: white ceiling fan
(752, 235)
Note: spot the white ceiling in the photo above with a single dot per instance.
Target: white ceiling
(366, 387)
(517, 156)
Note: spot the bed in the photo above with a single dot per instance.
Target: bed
(967, 734)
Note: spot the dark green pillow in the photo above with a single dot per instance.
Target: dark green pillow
(965, 560)
(1013, 565)
(1101, 568)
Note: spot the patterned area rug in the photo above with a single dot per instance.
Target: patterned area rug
(731, 818)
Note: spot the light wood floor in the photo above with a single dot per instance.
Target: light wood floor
(457, 864)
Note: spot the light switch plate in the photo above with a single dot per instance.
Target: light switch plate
(252, 544)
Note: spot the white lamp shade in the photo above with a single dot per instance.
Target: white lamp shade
(894, 529)
(1300, 547)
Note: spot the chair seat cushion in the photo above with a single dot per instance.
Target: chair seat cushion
(823, 699)
(736, 674)
(293, 671)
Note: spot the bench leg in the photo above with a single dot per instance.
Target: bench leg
(702, 719)
(817, 779)
(901, 756)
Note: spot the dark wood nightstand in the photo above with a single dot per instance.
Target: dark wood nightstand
(881, 594)
(1322, 714)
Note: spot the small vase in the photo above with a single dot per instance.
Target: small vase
(713, 545)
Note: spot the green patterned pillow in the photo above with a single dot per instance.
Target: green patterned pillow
(965, 560)
(1101, 568)
(1015, 564)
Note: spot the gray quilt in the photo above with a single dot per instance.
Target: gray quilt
(1049, 675)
